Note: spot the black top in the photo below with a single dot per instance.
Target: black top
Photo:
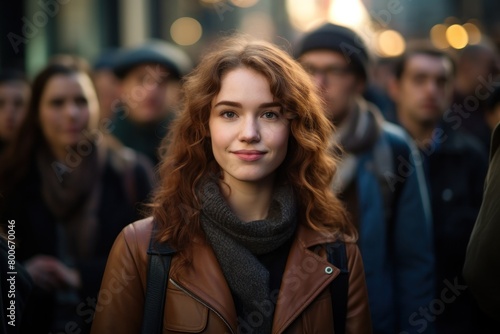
(275, 263)
(455, 171)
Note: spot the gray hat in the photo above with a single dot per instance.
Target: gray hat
(340, 39)
(158, 52)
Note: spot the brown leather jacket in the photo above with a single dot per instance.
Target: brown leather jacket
(199, 299)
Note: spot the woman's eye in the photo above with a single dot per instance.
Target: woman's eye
(228, 114)
(270, 115)
(57, 103)
(81, 101)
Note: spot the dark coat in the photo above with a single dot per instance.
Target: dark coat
(482, 263)
(456, 168)
(37, 233)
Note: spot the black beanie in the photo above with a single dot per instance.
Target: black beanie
(337, 38)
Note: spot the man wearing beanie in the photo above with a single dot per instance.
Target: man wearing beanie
(379, 182)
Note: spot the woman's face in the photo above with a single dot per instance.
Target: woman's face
(248, 130)
(14, 97)
(66, 106)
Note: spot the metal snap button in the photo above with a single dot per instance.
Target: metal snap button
(329, 270)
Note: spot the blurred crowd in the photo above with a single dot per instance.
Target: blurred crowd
(79, 143)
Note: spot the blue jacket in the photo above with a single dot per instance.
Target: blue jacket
(395, 228)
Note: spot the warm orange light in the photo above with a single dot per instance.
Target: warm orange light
(303, 14)
(244, 3)
(473, 32)
(457, 36)
(186, 31)
(349, 13)
(391, 43)
(438, 36)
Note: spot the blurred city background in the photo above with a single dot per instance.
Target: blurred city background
(34, 30)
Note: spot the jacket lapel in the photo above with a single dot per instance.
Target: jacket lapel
(305, 277)
(204, 278)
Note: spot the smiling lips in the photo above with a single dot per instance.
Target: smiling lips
(249, 155)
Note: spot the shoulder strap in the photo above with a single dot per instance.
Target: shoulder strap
(160, 256)
(337, 256)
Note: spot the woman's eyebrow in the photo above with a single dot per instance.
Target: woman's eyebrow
(229, 103)
(270, 105)
(239, 105)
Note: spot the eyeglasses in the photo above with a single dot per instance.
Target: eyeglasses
(329, 73)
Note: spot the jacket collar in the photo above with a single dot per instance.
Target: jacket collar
(305, 276)
(204, 279)
(303, 280)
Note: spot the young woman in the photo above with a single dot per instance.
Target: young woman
(69, 190)
(245, 201)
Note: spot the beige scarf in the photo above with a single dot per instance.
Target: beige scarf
(358, 133)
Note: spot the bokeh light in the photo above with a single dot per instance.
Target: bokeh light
(473, 32)
(186, 31)
(303, 14)
(457, 36)
(391, 43)
(350, 13)
(244, 3)
(438, 36)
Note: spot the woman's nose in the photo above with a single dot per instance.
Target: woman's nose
(249, 131)
(72, 110)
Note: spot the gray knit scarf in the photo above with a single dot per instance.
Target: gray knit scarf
(236, 244)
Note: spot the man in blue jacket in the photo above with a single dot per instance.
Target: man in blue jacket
(379, 181)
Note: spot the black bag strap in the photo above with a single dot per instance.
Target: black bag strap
(160, 256)
(337, 256)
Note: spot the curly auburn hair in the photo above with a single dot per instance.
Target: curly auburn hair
(308, 167)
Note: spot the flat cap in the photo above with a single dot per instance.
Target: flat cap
(157, 52)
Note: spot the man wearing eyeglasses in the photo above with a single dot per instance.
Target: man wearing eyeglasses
(381, 183)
